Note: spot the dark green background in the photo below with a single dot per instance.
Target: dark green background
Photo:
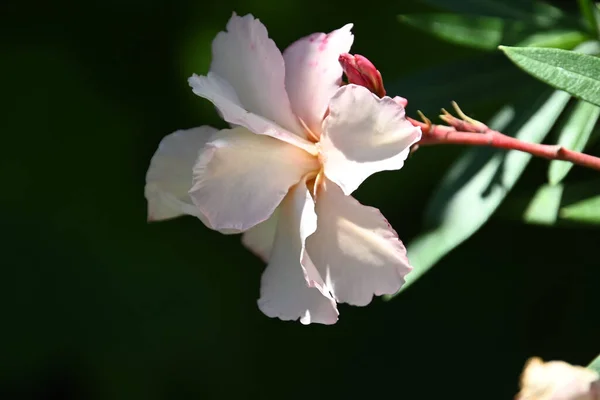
(99, 304)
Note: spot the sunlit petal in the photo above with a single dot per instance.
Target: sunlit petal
(223, 96)
(354, 248)
(240, 178)
(169, 177)
(250, 61)
(558, 380)
(259, 239)
(364, 134)
(313, 73)
(291, 287)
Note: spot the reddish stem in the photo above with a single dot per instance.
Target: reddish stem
(439, 134)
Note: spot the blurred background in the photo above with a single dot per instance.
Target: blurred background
(99, 304)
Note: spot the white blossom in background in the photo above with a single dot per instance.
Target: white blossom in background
(300, 143)
(558, 380)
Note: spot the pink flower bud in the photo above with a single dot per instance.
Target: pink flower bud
(360, 71)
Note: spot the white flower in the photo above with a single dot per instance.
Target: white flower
(299, 145)
(557, 380)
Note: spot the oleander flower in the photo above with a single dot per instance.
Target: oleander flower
(300, 143)
(558, 380)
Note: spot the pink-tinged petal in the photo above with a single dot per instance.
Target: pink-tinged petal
(401, 100)
(364, 134)
(291, 287)
(260, 238)
(224, 97)
(169, 177)
(313, 73)
(240, 178)
(354, 248)
(250, 61)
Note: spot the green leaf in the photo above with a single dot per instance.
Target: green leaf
(488, 32)
(544, 206)
(591, 15)
(525, 10)
(586, 211)
(575, 73)
(565, 39)
(574, 136)
(478, 182)
(479, 32)
(469, 82)
(595, 365)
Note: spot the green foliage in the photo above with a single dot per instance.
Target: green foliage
(544, 205)
(591, 14)
(574, 135)
(478, 182)
(482, 32)
(595, 365)
(487, 33)
(575, 73)
(586, 211)
(535, 36)
(547, 204)
(538, 12)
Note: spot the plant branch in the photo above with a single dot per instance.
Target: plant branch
(467, 131)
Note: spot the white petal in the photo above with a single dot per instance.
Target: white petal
(259, 239)
(240, 178)
(355, 249)
(251, 62)
(313, 73)
(169, 177)
(558, 380)
(291, 287)
(364, 134)
(223, 96)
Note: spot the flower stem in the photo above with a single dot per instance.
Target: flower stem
(439, 134)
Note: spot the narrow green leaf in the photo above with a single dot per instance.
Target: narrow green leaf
(486, 33)
(478, 182)
(565, 39)
(575, 73)
(469, 82)
(542, 205)
(595, 365)
(524, 10)
(543, 208)
(574, 135)
(479, 32)
(590, 14)
(586, 211)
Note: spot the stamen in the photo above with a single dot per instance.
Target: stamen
(310, 134)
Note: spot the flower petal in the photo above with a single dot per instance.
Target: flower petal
(364, 134)
(224, 97)
(291, 287)
(169, 177)
(259, 239)
(250, 61)
(240, 178)
(557, 380)
(354, 248)
(313, 73)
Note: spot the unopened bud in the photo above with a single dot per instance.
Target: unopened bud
(360, 71)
